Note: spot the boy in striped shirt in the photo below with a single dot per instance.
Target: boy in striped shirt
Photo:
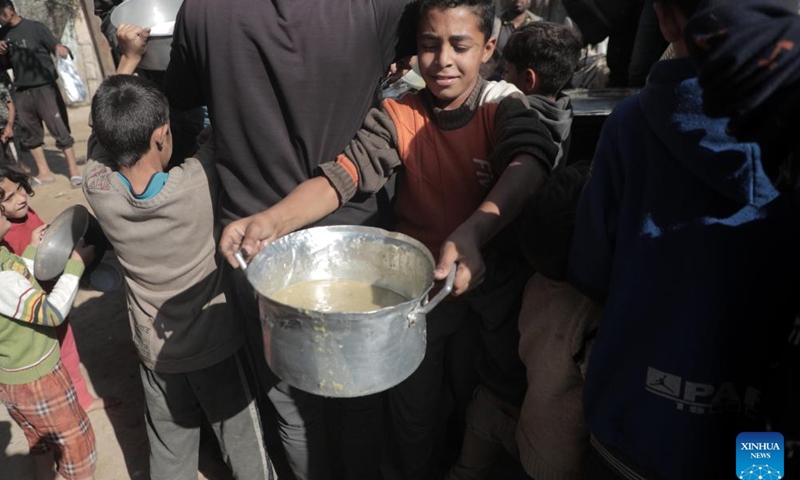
(34, 386)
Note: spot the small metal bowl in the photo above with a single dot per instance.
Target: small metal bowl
(60, 239)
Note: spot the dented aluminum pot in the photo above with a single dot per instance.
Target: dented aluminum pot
(345, 354)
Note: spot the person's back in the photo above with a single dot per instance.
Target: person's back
(683, 236)
(164, 238)
(194, 366)
(287, 84)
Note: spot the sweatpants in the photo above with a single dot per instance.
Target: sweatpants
(176, 405)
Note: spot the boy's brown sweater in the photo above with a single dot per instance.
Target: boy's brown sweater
(178, 310)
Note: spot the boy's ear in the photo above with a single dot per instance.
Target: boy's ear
(530, 78)
(488, 49)
(159, 136)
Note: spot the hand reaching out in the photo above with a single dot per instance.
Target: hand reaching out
(461, 246)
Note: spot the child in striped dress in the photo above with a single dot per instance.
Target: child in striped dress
(34, 386)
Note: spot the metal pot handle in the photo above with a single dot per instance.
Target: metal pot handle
(445, 291)
(239, 256)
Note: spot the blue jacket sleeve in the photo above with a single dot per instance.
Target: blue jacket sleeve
(593, 243)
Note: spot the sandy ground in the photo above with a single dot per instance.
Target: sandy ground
(109, 360)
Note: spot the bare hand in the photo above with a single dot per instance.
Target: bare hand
(132, 40)
(461, 246)
(37, 234)
(3, 47)
(8, 132)
(62, 51)
(249, 233)
(83, 253)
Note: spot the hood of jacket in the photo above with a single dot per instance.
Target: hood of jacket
(672, 105)
(557, 117)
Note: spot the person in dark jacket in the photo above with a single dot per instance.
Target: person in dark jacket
(683, 236)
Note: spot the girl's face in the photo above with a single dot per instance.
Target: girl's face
(15, 201)
(450, 50)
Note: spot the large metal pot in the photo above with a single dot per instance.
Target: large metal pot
(148, 14)
(341, 354)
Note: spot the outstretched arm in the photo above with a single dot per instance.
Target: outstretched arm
(312, 200)
(367, 162)
(524, 175)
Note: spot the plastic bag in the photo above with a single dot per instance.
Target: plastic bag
(73, 85)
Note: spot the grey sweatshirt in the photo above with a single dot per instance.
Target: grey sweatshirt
(177, 307)
(557, 117)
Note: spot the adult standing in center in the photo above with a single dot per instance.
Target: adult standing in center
(287, 84)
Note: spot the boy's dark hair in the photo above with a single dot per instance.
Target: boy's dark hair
(550, 49)
(17, 175)
(7, 3)
(484, 9)
(126, 110)
(545, 226)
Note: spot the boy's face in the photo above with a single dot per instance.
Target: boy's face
(450, 50)
(15, 201)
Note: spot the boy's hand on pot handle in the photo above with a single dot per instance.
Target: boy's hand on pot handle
(249, 233)
(83, 253)
(461, 246)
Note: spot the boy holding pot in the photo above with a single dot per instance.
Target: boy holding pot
(469, 153)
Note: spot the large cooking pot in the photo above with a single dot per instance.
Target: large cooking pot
(345, 354)
(154, 14)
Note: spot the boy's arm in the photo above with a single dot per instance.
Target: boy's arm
(525, 153)
(366, 164)
(504, 202)
(21, 300)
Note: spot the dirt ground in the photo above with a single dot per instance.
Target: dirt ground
(108, 357)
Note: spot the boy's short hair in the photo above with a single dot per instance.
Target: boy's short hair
(7, 3)
(126, 110)
(545, 226)
(484, 9)
(17, 175)
(550, 49)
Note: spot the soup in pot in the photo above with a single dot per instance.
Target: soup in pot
(337, 295)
